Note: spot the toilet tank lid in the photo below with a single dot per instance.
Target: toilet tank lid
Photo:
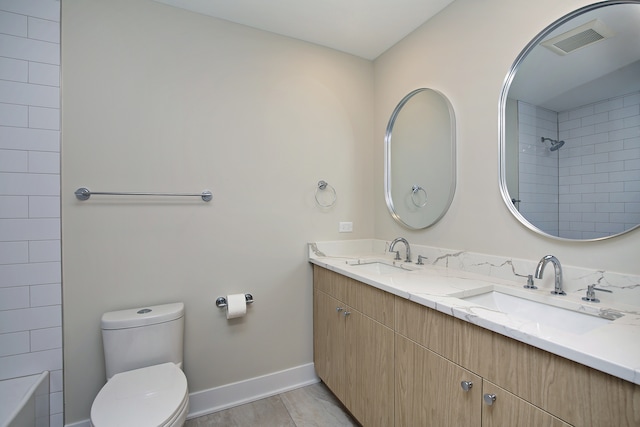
(142, 316)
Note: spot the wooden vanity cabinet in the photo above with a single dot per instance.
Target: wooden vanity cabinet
(395, 362)
(541, 381)
(353, 347)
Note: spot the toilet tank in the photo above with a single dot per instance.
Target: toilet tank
(141, 337)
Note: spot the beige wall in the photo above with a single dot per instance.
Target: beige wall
(466, 52)
(159, 99)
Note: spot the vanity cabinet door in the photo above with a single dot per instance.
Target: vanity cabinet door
(429, 392)
(329, 342)
(370, 370)
(509, 410)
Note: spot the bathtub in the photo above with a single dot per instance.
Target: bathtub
(24, 401)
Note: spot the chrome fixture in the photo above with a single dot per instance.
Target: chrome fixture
(83, 193)
(420, 258)
(591, 293)
(466, 385)
(530, 284)
(489, 398)
(221, 302)
(333, 196)
(558, 272)
(555, 144)
(406, 244)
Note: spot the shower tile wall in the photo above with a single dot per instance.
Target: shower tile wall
(538, 169)
(30, 271)
(600, 168)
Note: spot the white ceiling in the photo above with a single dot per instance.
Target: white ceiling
(365, 28)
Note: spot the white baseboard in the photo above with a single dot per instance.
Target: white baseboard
(227, 396)
(234, 394)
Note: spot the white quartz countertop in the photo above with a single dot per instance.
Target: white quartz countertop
(613, 347)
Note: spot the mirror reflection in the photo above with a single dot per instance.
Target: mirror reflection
(570, 126)
(420, 159)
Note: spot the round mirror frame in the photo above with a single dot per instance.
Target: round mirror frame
(502, 117)
(387, 160)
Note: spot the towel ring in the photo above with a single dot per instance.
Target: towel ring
(323, 185)
(414, 191)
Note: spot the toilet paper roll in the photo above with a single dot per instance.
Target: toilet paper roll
(236, 306)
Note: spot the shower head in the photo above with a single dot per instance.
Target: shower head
(555, 144)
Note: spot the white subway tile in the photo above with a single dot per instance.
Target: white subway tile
(55, 381)
(610, 207)
(30, 318)
(628, 196)
(626, 217)
(14, 298)
(609, 105)
(44, 207)
(596, 216)
(632, 110)
(29, 49)
(42, 295)
(43, 29)
(30, 363)
(595, 118)
(609, 227)
(13, 24)
(38, 8)
(29, 139)
(14, 161)
(631, 99)
(14, 69)
(611, 187)
(56, 403)
(44, 251)
(632, 164)
(56, 420)
(29, 94)
(14, 115)
(14, 253)
(14, 207)
(44, 118)
(595, 198)
(28, 184)
(609, 146)
(46, 339)
(44, 162)
(44, 74)
(14, 343)
(585, 111)
(626, 133)
(29, 274)
(609, 126)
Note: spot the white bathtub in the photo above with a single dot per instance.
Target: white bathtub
(24, 401)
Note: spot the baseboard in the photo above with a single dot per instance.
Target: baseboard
(227, 396)
(234, 394)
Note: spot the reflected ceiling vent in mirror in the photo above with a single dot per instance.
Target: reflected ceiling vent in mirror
(579, 37)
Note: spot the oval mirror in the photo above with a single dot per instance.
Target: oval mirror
(570, 126)
(420, 175)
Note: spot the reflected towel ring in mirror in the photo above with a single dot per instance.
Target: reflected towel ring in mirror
(415, 196)
(322, 186)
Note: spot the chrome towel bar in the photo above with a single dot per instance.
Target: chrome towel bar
(84, 194)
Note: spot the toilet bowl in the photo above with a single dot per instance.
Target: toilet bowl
(155, 396)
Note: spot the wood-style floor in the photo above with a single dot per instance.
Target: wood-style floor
(310, 406)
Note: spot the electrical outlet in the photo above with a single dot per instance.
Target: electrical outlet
(345, 227)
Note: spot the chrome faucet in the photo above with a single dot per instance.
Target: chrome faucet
(558, 271)
(406, 244)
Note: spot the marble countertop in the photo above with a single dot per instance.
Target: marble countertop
(613, 347)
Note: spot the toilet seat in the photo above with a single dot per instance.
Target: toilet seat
(154, 396)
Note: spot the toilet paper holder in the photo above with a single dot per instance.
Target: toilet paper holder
(221, 302)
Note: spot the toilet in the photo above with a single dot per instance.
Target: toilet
(143, 359)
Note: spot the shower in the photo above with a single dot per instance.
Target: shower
(555, 144)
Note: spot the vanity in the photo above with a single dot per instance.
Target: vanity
(407, 345)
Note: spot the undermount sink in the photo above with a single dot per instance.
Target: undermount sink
(540, 315)
(379, 268)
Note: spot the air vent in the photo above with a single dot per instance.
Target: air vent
(582, 36)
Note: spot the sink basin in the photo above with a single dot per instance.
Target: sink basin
(379, 268)
(541, 316)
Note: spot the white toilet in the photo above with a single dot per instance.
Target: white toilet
(143, 356)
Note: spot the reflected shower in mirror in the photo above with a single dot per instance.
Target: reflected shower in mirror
(420, 159)
(570, 126)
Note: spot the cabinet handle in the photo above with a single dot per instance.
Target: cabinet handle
(466, 385)
(346, 313)
(489, 398)
(339, 309)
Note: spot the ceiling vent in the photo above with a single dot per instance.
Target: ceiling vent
(579, 37)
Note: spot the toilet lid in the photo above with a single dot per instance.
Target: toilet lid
(148, 396)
